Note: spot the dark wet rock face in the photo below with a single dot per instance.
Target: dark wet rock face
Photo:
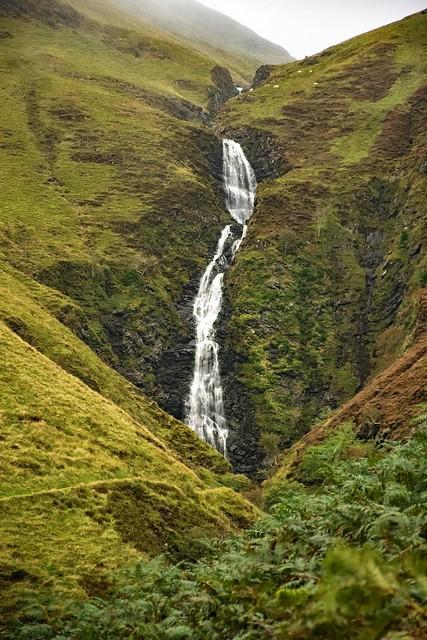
(262, 75)
(175, 365)
(175, 362)
(371, 256)
(222, 90)
(174, 370)
(243, 444)
(264, 151)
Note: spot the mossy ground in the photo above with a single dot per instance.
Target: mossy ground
(107, 190)
(341, 554)
(325, 292)
(108, 209)
(86, 487)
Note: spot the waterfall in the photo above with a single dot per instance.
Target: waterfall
(239, 182)
(205, 407)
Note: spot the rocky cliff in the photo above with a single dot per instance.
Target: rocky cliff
(326, 291)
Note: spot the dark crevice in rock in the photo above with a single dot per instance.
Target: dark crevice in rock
(385, 283)
(243, 445)
(262, 75)
(371, 256)
(175, 365)
(222, 90)
(264, 151)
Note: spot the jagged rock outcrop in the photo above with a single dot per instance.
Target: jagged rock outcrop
(264, 150)
(262, 75)
(175, 365)
(244, 449)
(223, 88)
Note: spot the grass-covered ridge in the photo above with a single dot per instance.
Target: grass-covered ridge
(329, 287)
(341, 554)
(106, 171)
(212, 32)
(90, 482)
(108, 209)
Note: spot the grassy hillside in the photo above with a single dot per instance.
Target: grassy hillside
(30, 310)
(340, 555)
(213, 33)
(86, 488)
(108, 211)
(328, 289)
(90, 466)
(106, 170)
(111, 204)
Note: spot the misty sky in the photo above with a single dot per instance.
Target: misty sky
(304, 27)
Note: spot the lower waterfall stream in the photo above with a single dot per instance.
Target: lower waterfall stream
(205, 406)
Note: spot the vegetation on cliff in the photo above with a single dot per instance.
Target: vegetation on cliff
(108, 209)
(329, 287)
(111, 204)
(85, 486)
(106, 173)
(342, 554)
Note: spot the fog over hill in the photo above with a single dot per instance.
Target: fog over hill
(207, 28)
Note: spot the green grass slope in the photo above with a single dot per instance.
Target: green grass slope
(341, 554)
(108, 211)
(213, 33)
(328, 288)
(106, 174)
(30, 310)
(85, 485)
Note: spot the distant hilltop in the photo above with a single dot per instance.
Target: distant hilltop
(208, 29)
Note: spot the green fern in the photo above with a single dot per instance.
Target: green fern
(341, 554)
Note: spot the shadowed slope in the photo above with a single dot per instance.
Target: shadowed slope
(107, 175)
(325, 292)
(384, 409)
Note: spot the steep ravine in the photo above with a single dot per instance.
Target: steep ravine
(327, 290)
(371, 305)
(245, 449)
(176, 365)
(323, 293)
(248, 445)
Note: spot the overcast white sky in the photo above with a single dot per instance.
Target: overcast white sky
(304, 27)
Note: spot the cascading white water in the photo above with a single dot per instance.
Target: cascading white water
(239, 182)
(205, 410)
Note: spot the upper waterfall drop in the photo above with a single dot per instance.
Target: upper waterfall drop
(205, 406)
(239, 182)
